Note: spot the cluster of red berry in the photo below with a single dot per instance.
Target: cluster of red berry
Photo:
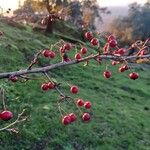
(112, 43)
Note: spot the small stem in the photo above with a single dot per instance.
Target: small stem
(3, 98)
(56, 87)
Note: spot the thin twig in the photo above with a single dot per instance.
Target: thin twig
(18, 120)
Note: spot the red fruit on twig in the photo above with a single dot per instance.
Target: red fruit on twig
(13, 78)
(73, 117)
(67, 46)
(50, 85)
(95, 42)
(45, 53)
(107, 74)
(77, 56)
(87, 105)
(113, 43)
(111, 37)
(52, 54)
(133, 75)
(74, 89)
(44, 87)
(83, 50)
(88, 35)
(6, 115)
(66, 120)
(121, 69)
(86, 117)
(80, 102)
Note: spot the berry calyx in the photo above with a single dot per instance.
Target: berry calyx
(66, 120)
(87, 105)
(13, 78)
(86, 117)
(107, 74)
(77, 56)
(73, 117)
(94, 42)
(44, 87)
(74, 89)
(83, 50)
(80, 102)
(6, 115)
(133, 75)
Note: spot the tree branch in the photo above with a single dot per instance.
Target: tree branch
(63, 64)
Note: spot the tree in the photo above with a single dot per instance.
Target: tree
(134, 26)
(110, 51)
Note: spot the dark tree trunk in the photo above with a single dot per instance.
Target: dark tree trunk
(49, 28)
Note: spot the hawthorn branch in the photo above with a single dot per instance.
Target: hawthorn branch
(63, 64)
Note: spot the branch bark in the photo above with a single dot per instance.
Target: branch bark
(63, 64)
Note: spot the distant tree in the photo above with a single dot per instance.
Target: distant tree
(134, 26)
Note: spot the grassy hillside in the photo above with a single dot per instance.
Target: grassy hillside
(120, 113)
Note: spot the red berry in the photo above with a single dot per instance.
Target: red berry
(111, 37)
(80, 102)
(13, 78)
(50, 85)
(125, 67)
(86, 117)
(133, 75)
(83, 50)
(112, 43)
(120, 52)
(44, 87)
(67, 46)
(88, 35)
(73, 117)
(114, 63)
(78, 56)
(94, 41)
(74, 89)
(143, 52)
(66, 120)
(45, 53)
(67, 59)
(87, 105)
(107, 74)
(52, 54)
(6, 115)
(62, 50)
(121, 69)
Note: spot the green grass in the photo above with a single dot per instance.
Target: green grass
(120, 111)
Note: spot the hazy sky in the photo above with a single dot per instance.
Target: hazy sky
(119, 2)
(14, 3)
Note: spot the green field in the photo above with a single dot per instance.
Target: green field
(120, 106)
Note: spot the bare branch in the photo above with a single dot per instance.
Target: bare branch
(63, 64)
